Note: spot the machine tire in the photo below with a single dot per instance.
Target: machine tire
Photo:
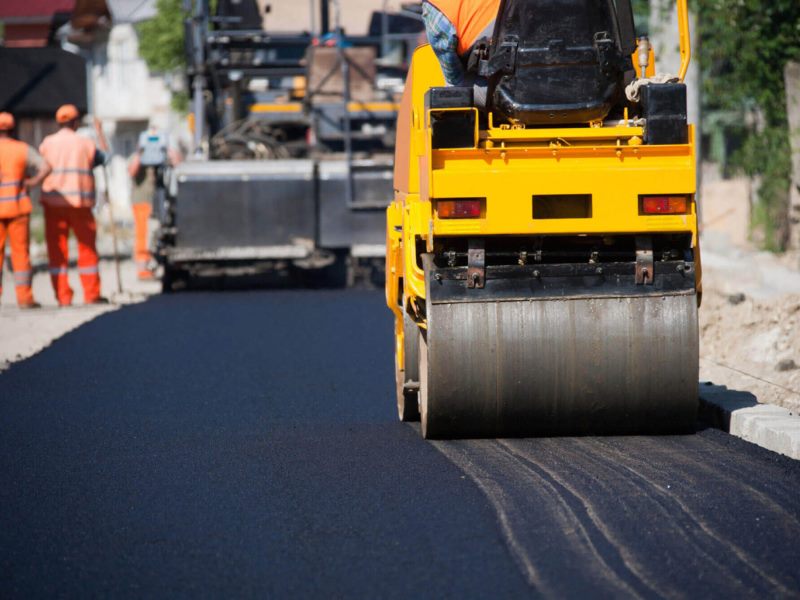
(425, 421)
(167, 277)
(408, 400)
(173, 279)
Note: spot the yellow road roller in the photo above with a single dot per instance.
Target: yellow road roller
(542, 258)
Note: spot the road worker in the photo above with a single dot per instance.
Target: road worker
(146, 169)
(453, 28)
(21, 168)
(68, 196)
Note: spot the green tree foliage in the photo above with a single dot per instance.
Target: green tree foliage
(641, 13)
(161, 38)
(161, 43)
(745, 45)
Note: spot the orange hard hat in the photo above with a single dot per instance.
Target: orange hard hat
(67, 113)
(6, 121)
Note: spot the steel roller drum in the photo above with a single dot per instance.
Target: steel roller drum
(626, 365)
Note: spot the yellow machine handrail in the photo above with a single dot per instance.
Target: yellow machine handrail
(685, 38)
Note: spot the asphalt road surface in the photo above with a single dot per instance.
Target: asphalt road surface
(245, 444)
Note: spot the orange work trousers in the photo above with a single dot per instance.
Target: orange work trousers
(141, 251)
(17, 230)
(58, 220)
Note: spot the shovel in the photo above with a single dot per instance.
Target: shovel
(113, 230)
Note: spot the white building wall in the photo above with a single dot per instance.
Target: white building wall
(123, 86)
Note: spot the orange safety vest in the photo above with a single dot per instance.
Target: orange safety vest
(473, 19)
(72, 181)
(14, 200)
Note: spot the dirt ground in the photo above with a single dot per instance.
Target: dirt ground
(753, 345)
(750, 317)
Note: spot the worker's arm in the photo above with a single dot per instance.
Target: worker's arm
(174, 156)
(102, 142)
(444, 41)
(134, 165)
(36, 165)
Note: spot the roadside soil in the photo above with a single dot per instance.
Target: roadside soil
(750, 326)
(750, 317)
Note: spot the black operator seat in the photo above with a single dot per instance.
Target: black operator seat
(559, 62)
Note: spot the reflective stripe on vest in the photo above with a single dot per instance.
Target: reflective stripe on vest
(69, 194)
(14, 200)
(14, 194)
(81, 171)
(71, 183)
(472, 19)
(23, 278)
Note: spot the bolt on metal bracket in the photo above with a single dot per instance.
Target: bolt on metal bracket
(644, 260)
(476, 264)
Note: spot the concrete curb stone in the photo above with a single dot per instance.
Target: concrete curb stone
(739, 413)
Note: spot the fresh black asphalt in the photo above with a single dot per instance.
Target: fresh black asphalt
(246, 444)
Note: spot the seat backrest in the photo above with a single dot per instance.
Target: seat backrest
(559, 61)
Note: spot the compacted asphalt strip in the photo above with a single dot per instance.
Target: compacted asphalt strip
(246, 443)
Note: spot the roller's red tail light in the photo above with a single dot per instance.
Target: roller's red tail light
(465, 208)
(664, 205)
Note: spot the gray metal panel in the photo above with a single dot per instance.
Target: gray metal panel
(295, 251)
(211, 169)
(244, 204)
(364, 223)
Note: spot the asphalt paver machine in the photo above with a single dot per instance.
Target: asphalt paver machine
(294, 139)
(542, 257)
